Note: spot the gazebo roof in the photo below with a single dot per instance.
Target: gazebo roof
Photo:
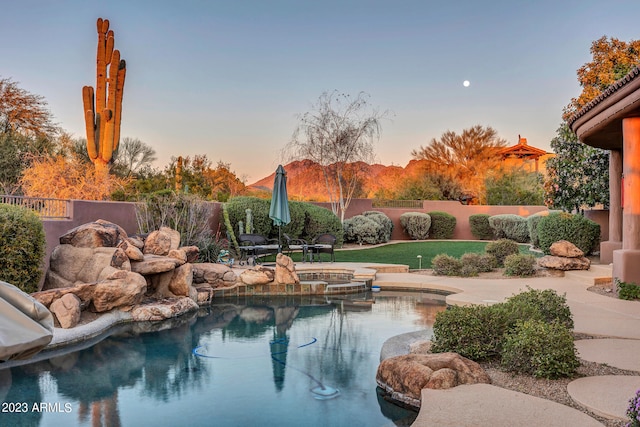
(522, 150)
(599, 123)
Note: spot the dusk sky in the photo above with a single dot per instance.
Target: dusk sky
(229, 78)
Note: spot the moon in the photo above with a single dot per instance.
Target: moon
(466, 83)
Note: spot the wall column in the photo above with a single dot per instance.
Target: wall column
(626, 262)
(615, 208)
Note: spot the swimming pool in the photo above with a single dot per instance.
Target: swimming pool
(246, 361)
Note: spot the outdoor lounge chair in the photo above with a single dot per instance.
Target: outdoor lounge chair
(290, 245)
(323, 244)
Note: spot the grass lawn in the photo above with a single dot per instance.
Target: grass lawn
(406, 253)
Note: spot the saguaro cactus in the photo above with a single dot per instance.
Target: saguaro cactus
(103, 118)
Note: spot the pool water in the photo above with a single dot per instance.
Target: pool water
(242, 362)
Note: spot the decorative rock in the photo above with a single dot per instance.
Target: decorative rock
(153, 264)
(132, 251)
(157, 243)
(564, 264)
(173, 235)
(285, 270)
(178, 254)
(94, 234)
(119, 259)
(181, 280)
(83, 291)
(119, 293)
(67, 310)
(405, 376)
(158, 285)
(136, 241)
(192, 253)
(420, 347)
(213, 274)
(164, 309)
(257, 276)
(564, 248)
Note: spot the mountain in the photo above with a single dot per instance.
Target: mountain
(305, 180)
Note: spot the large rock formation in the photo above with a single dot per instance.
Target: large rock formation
(285, 270)
(564, 256)
(404, 377)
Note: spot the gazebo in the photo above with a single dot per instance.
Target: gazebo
(612, 122)
(523, 153)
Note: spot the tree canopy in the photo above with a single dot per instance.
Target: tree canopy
(611, 60)
(338, 133)
(22, 112)
(578, 176)
(463, 159)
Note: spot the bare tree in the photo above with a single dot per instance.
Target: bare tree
(23, 112)
(132, 155)
(339, 132)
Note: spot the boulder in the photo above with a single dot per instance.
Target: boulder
(158, 285)
(257, 276)
(164, 309)
(564, 248)
(83, 291)
(285, 270)
(174, 235)
(192, 253)
(181, 280)
(214, 274)
(132, 251)
(404, 377)
(67, 310)
(157, 243)
(119, 293)
(94, 234)
(563, 263)
(154, 264)
(178, 254)
(136, 241)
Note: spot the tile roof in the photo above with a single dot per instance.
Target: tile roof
(633, 74)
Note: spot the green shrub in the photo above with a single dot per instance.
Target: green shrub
(509, 226)
(22, 243)
(545, 350)
(544, 305)
(532, 226)
(446, 265)
(481, 263)
(416, 224)
(580, 231)
(210, 247)
(480, 227)
(519, 265)
(442, 225)
(362, 230)
(474, 332)
(262, 224)
(385, 223)
(501, 249)
(628, 291)
(319, 220)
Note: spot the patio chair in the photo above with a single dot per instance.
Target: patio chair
(253, 246)
(291, 245)
(323, 244)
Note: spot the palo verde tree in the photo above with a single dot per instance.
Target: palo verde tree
(578, 175)
(464, 159)
(102, 118)
(338, 134)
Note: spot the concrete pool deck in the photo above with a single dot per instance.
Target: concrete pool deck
(617, 321)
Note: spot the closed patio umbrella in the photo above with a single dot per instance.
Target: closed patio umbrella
(279, 209)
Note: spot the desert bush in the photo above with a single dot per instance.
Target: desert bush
(446, 265)
(474, 332)
(509, 226)
(481, 263)
(580, 231)
(480, 227)
(362, 230)
(544, 305)
(628, 291)
(22, 243)
(319, 220)
(532, 226)
(416, 224)
(186, 213)
(545, 350)
(210, 247)
(385, 223)
(442, 225)
(500, 249)
(262, 224)
(519, 265)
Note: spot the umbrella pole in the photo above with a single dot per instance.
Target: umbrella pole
(279, 239)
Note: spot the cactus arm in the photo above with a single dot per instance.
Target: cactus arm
(90, 120)
(101, 69)
(122, 71)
